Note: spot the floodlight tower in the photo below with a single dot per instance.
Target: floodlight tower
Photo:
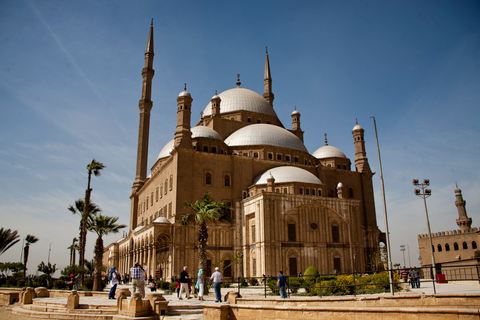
(402, 248)
(425, 193)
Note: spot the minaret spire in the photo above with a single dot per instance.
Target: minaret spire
(463, 221)
(267, 80)
(145, 105)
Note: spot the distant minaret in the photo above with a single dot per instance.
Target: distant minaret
(183, 135)
(361, 160)
(267, 81)
(145, 105)
(296, 124)
(463, 221)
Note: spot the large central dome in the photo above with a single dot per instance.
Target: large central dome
(265, 134)
(241, 99)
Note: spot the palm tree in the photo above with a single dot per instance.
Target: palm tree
(101, 225)
(93, 167)
(30, 240)
(73, 248)
(7, 239)
(205, 210)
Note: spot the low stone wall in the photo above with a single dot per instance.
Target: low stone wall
(66, 293)
(408, 300)
(251, 312)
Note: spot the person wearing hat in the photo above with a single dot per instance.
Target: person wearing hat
(217, 284)
(113, 281)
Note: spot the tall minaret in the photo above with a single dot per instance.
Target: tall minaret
(183, 135)
(267, 81)
(145, 105)
(463, 221)
(361, 160)
(296, 124)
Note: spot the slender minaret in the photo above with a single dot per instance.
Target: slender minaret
(145, 105)
(296, 124)
(215, 102)
(267, 81)
(463, 221)
(183, 135)
(361, 160)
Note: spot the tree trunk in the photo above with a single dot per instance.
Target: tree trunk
(202, 246)
(97, 280)
(25, 259)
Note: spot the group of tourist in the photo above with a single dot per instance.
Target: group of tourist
(411, 275)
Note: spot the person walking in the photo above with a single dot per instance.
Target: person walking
(78, 281)
(200, 284)
(217, 279)
(416, 277)
(184, 279)
(282, 285)
(136, 273)
(113, 282)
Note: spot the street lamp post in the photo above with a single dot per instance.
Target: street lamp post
(387, 233)
(425, 193)
(402, 248)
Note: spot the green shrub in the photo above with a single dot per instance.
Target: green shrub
(20, 283)
(272, 284)
(309, 278)
(59, 284)
(225, 284)
(243, 282)
(88, 283)
(172, 286)
(253, 281)
(294, 283)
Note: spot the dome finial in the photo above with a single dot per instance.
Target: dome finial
(356, 121)
(215, 92)
(238, 80)
(326, 142)
(151, 24)
(185, 88)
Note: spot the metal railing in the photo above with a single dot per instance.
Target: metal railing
(358, 282)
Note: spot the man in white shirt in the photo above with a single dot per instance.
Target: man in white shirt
(217, 279)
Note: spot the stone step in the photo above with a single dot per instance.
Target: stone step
(182, 317)
(184, 311)
(77, 316)
(63, 309)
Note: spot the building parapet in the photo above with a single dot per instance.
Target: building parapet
(448, 233)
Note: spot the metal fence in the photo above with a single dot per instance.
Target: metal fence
(358, 282)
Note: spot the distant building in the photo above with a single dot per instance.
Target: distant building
(451, 248)
(292, 209)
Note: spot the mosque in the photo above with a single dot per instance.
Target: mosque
(292, 209)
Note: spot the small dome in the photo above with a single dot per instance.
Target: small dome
(241, 99)
(328, 152)
(265, 134)
(205, 132)
(295, 112)
(185, 93)
(166, 150)
(340, 185)
(216, 96)
(287, 174)
(357, 127)
(162, 220)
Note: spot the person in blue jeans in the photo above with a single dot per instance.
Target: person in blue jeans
(282, 285)
(114, 282)
(217, 284)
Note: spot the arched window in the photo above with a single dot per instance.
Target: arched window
(300, 191)
(465, 245)
(455, 246)
(227, 180)
(335, 234)
(208, 179)
(350, 193)
(292, 234)
(439, 248)
(447, 247)
(474, 245)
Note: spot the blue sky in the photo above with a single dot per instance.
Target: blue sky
(70, 81)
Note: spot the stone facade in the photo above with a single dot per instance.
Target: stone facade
(292, 209)
(454, 247)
